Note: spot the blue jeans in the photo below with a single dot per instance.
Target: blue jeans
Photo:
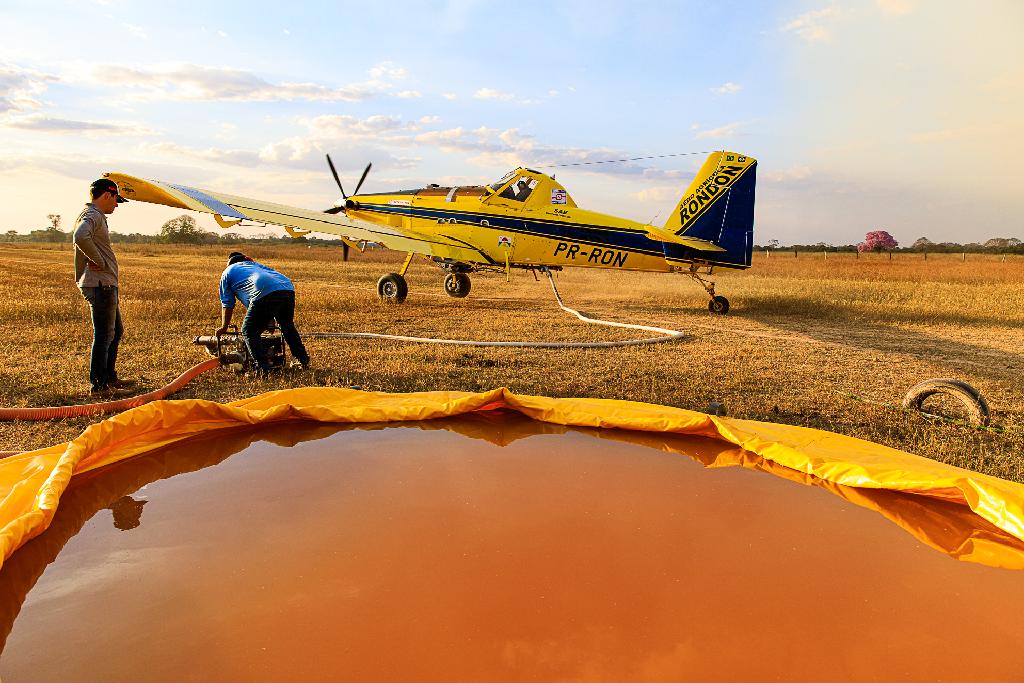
(106, 333)
(278, 305)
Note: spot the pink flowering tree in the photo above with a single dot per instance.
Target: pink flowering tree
(877, 241)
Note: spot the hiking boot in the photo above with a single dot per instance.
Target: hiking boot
(122, 383)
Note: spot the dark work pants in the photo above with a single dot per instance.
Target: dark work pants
(280, 306)
(106, 333)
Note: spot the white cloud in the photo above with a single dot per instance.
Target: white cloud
(727, 88)
(219, 155)
(222, 34)
(135, 30)
(50, 124)
(726, 131)
(429, 120)
(449, 96)
(19, 88)
(811, 26)
(340, 126)
(511, 147)
(388, 70)
(192, 82)
(786, 174)
(660, 193)
(493, 94)
(409, 94)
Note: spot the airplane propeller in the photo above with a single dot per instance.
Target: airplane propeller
(359, 185)
(338, 209)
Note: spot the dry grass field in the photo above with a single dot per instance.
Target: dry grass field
(830, 344)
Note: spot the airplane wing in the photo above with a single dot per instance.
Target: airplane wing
(230, 210)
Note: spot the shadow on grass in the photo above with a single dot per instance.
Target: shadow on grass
(846, 327)
(808, 307)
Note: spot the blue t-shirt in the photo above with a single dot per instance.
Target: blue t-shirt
(249, 281)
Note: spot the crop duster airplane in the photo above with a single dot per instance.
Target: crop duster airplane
(525, 220)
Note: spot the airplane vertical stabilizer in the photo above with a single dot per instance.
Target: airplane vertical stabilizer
(718, 207)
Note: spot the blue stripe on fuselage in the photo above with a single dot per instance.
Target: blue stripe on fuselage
(624, 238)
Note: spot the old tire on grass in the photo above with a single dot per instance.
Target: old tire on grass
(971, 399)
(457, 285)
(719, 305)
(392, 288)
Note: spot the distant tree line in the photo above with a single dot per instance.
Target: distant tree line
(185, 230)
(180, 230)
(996, 245)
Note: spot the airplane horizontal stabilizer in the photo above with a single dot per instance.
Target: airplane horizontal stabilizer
(660, 235)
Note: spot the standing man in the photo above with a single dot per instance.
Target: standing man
(267, 295)
(96, 277)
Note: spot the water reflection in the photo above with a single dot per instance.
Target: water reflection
(127, 512)
(943, 525)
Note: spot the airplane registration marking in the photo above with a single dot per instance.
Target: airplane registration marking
(597, 255)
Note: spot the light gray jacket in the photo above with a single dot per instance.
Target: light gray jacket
(92, 245)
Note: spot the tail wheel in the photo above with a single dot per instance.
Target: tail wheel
(457, 285)
(392, 288)
(719, 305)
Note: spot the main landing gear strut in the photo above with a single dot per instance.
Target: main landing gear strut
(718, 304)
(393, 288)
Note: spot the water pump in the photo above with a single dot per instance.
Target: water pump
(233, 353)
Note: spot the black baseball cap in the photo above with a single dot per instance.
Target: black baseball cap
(102, 185)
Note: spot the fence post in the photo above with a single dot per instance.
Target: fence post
(964, 256)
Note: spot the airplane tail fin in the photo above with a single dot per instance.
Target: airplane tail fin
(718, 207)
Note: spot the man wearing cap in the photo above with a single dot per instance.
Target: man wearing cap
(96, 276)
(267, 295)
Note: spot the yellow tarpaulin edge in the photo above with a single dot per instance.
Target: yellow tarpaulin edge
(31, 483)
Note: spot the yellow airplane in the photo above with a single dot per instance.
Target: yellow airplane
(525, 220)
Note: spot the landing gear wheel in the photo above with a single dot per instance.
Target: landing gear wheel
(392, 288)
(719, 305)
(456, 285)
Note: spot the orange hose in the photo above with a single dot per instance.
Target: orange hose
(109, 406)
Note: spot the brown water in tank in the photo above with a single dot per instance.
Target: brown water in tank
(494, 548)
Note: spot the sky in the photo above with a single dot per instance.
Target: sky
(899, 115)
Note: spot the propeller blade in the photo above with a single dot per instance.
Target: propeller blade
(360, 183)
(334, 209)
(334, 172)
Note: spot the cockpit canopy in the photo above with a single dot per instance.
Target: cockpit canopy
(532, 188)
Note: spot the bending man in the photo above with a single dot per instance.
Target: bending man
(267, 295)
